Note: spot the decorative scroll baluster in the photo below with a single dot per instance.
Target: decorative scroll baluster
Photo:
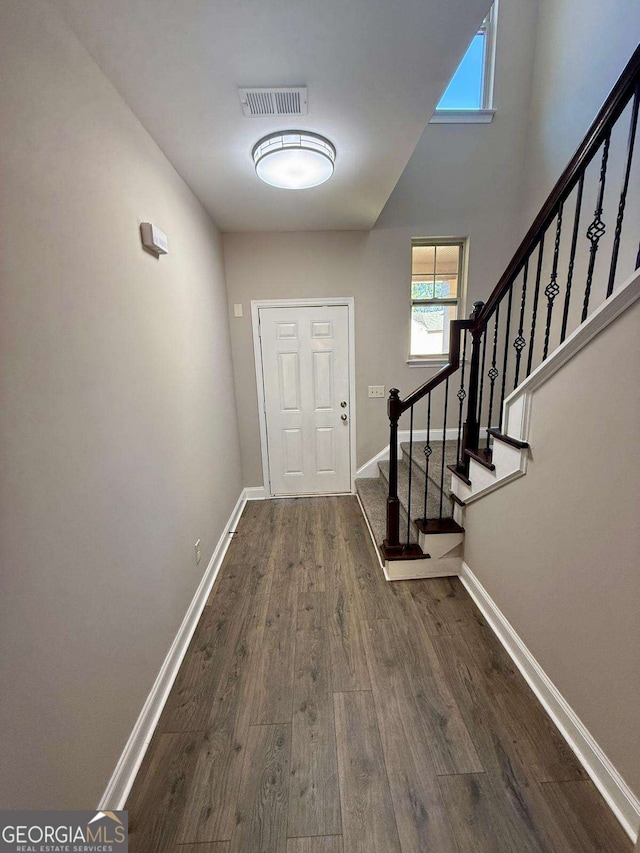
(534, 315)
(428, 450)
(506, 356)
(572, 258)
(484, 358)
(493, 372)
(553, 288)
(444, 439)
(461, 397)
(625, 187)
(519, 344)
(597, 229)
(410, 475)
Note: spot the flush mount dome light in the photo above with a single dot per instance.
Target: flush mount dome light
(294, 159)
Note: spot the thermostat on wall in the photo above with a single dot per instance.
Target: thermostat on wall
(154, 239)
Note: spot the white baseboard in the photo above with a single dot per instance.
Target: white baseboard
(370, 467)
(254, 493)
(117, 790)
(617, 794)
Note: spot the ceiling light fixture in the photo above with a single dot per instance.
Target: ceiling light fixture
(294, 159)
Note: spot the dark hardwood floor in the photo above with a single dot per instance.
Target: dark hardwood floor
(320, 709)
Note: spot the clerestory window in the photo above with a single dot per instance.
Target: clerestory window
(469, 95)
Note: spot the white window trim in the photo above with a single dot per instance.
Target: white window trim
(440, 360)
(427, 361)
(462, 117)
(432, 361)
(487, 112)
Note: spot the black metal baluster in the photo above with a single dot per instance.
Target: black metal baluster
(534, 315)
(596, 230)
(410, 473)
(625, 187)
(444, 439)
(572, 258)
(393, 503)
(471, 431)
(553, 288)
(427, 454)
(506, 356)
(484, 355)
(461, 397)
(519, 344)
(492, 373)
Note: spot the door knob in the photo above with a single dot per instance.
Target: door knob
(344, 404)
(343, 417)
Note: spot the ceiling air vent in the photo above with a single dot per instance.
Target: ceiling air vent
(287, 101)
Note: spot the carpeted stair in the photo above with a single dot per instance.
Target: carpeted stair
(374, 491)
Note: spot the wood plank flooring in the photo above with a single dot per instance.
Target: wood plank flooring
(320, 709)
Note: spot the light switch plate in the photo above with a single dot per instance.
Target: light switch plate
(376, 390)
(237, 309)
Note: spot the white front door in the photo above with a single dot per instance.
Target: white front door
(305, 366)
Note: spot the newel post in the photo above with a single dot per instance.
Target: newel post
(393, 504)
(472, 427)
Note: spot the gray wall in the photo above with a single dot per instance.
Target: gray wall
(118, 421)
(582, 47)
(462, 181)
(558, 549)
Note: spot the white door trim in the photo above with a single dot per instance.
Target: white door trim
(256, 305)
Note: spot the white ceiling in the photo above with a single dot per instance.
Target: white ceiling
(375, 70)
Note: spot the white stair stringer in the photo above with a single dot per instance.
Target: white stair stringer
(511, 462)
(407, 570)
(441, 545)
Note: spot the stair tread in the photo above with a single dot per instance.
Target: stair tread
(482, 456)
(435, 460)
(417, 492)
(439, 526)
(373, 496)
(514, 442)
(373, 493)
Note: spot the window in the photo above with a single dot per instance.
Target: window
(469, 95)
(436, 285)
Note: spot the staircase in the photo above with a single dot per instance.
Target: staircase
(423, 487)
(373, 491)
(581, 251)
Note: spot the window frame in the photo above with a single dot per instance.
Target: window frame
(438, 360)
(486, 112)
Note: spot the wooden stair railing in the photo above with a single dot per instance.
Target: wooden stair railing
(515, 302)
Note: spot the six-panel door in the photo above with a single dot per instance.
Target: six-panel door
(305, 362)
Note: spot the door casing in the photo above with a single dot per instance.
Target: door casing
(256, 305)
